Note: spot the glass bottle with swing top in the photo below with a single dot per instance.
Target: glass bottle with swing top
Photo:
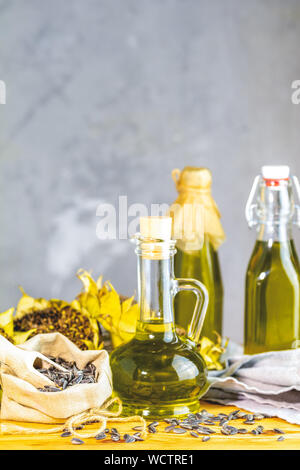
(158, 374)
(272, 291)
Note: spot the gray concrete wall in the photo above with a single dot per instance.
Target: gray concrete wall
(106, 97)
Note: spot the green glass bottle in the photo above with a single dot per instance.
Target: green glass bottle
(272, 291)
(203, 265)
(199, 234)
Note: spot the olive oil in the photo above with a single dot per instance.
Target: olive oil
(203, 265)
(272, 297)
(159, 374)
(272, 290)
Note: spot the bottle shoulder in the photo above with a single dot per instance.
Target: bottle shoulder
(274, 260)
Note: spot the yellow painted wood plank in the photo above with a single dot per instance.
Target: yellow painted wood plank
(166, 441)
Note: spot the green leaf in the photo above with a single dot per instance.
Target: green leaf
(6, 321)
(21, 336)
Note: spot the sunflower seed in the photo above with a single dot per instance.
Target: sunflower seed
(137, 428)
(205, 429)
(242, 431)
(169, 428)
(278, 431)
(115, 437)
(187, 426)
(137, 436)
(52, 389)
(280, 438)
(100, 436)
(129, 439)
(206, 433)
(229, 430)
(175, 421)
(77, 441)
(232, 415)
(223, 421)
(152, 429)
(64, 384)
(66, 434)
(205, 438)
(179, 431)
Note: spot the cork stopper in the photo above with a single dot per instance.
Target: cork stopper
(159, 228)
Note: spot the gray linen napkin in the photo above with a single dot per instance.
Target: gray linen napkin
(267, 383)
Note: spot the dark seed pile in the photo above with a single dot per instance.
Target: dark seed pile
(73, 376)
(113, 433)
(198, 425)
(68, 321)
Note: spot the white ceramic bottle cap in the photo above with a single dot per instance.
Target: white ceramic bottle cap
(275, 172)
(156, 227)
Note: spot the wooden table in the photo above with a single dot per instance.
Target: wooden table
(166, 441)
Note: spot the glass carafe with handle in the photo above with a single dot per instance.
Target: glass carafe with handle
(159, 374)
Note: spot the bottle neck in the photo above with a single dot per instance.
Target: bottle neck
(281, 231)
(157, 288)
(275, 212)
(154, 288)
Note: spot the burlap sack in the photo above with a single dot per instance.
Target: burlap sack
(21, 401)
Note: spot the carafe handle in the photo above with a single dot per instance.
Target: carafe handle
(199, 289)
